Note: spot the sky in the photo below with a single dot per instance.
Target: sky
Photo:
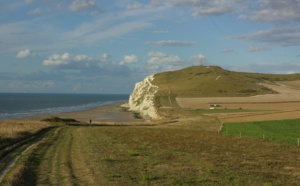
(106, 46)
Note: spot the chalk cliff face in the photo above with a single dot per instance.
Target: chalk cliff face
(142, 98)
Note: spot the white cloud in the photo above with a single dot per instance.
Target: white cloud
(171, 43)
(282, 68)
(259, 10)
(277, 36)
(57, 60)
(25, 53)
(211, 7)
(157, 3)
(257, 48)
(161, 31)
(78, 5)
(277, 10)
(242, 16)
(28, 1)
(31, 85)
(102, 29)
(35, 11)
(104, 57)
(83, 62)
(200, 59)
(39, 32)
(135, 5)
(227, 51)
(222, 8)
(129, 59)
(156, 54)
(82, 57)
(118, 30)
(159, 61)
(65, 59)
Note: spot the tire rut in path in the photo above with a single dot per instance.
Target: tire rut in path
(56, 167)
(13, 153)
(70, 159)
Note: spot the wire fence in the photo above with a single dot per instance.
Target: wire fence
(283, 131)
(263, 136)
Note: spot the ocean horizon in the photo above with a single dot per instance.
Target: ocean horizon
(18, 105)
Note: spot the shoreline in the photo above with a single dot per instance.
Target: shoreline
(106, 113)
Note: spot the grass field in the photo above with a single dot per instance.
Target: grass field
(285, 131)
(174, 154)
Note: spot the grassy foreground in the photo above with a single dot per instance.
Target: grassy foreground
(161, 155)
(284, 131)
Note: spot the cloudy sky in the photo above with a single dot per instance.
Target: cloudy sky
(106, 46)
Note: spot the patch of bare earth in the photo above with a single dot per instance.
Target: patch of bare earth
(284, 105)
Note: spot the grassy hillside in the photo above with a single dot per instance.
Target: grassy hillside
(208, 81)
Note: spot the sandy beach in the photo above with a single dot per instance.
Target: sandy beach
(106, 113)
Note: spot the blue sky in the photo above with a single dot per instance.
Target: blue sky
(106, 46)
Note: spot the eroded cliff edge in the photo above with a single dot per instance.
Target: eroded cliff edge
(142, 98)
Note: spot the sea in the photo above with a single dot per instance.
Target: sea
(18, 105)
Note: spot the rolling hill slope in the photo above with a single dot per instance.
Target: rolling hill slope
(213, 81)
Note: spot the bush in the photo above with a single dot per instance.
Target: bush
(137, 115)
(60, 120)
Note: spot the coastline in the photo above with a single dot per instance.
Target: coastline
(106, 113)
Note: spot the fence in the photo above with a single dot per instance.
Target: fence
(263, 136)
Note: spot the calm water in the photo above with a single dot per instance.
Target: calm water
(16, 105)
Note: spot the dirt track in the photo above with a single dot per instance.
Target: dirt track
(285, 105)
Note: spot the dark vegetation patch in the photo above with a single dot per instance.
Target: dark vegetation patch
(249, 91)
(137, 115)
(61, 120)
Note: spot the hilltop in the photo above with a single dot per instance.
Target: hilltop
(176, 89)
(213, 81)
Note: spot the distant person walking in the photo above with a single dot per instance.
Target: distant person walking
(90, 122)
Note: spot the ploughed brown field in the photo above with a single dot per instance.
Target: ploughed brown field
(285, 105)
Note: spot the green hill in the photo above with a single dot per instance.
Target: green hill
(213, 81)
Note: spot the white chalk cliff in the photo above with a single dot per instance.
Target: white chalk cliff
(142, 98)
